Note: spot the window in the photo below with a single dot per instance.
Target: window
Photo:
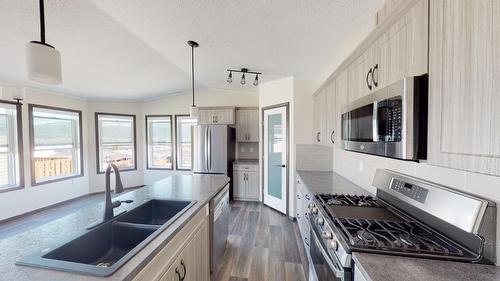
(115, 141)
(56, 139)
(183, 125)
(10, 144)
(159, 142)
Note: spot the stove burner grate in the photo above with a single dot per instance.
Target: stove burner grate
(350, 200)
(400, 236)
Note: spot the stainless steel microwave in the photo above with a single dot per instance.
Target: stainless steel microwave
(390, 122)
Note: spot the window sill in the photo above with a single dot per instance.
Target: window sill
(7, 189)
(56, 180)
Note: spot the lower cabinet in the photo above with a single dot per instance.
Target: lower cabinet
(185, 257)
(358, 276)
(246, 182)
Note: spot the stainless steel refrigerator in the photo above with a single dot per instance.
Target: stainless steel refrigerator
(213, 149)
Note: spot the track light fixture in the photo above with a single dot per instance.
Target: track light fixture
(244, 71)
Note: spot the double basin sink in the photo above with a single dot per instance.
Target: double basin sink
(100, 251)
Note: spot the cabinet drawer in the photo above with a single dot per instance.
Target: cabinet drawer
(246, 167)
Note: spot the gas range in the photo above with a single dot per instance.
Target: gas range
(408, 217)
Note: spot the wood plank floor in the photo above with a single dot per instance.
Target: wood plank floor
(263, 245)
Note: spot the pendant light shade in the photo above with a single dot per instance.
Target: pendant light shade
(43, 60)
(43, 63)
(193, 110)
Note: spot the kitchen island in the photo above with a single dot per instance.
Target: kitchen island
(199, 188)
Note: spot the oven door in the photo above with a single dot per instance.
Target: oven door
(325, 267)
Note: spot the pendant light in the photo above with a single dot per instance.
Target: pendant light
(193, 111)
(43, 60)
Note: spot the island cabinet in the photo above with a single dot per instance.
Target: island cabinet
(464, 85)
(185, 257)
(247, 125)
(216, 115)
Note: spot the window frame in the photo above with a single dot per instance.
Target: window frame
(97, 143)
(32, 142)
(173, 143)
(177, 142)
(20, 148)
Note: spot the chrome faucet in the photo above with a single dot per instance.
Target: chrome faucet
(110, 205)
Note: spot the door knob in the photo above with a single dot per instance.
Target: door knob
(282, 166)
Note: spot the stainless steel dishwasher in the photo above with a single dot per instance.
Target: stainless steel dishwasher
(219, 227)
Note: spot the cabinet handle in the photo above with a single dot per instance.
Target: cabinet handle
(318, 136)
(368, 81)
(184, 269)
(375, 81)
(332, 136)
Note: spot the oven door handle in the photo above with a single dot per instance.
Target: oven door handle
(375, 122)
(338, 272)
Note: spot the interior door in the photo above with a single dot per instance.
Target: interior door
(275, 174)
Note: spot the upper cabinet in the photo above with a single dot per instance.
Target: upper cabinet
(341, 100)
(464, 73)
(216, 115)
(323, 116)
(400, 50)
(247, 125)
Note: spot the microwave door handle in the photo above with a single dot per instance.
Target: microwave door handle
(375, 122)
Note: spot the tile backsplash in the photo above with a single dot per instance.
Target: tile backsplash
(313, 157)
(360, 169)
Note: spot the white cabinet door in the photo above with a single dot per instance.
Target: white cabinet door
(358, 276)
(194, 259)
(329, 115)
(402, 50)
(222, 116)
(241, 125)
(239, 185)
(252, 182)
(205, 117)
(247, 125)
(341, 100)
(253, 125)
(464, 94)
(319, 118)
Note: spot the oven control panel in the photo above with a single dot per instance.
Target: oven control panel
(413, 191)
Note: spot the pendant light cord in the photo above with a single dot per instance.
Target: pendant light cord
(192, 69)
(42, 23)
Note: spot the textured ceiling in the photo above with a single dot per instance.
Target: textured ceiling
(132, 49)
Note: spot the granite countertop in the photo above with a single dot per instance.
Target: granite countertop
(246, 161)
(329, 182)
(375, 267)
(394, 268)
(179, 187)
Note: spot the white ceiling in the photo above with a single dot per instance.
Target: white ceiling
(133, 49)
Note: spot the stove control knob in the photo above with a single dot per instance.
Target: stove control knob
(327, 234)
(320, 221)
(311, 205)
(315, 210)
(333, 244)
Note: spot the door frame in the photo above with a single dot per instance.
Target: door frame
(287, 172)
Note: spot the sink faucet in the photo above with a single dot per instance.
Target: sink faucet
(110, 205)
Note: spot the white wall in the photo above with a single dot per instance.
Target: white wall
(129, 178)
(30, 198)
(180, 104)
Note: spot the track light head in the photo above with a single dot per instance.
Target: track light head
(243, 79)
(256, 80)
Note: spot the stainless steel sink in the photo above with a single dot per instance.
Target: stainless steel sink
(102, 250)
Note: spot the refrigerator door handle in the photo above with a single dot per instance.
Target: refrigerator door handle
(209, 148)
(206, 148)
